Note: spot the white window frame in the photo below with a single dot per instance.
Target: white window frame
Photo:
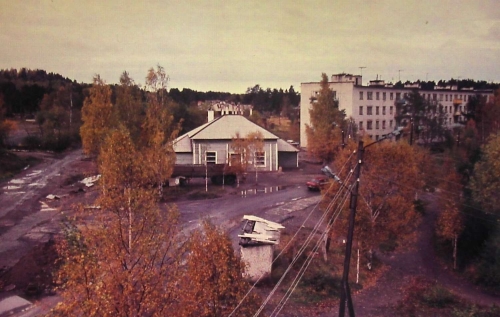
(259, 160)
(206, 157)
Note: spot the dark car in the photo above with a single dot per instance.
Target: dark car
(317, 183)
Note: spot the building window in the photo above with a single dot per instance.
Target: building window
(369, 125)
(369, 95)
(398, 95)
(383, 124)
(360, 95)
(440, 97)
(390, 110)
(260, 159)
(391, 96)
(334, 93)
(390, 123)
(376, 125)
(369, 110)
(360, 110)
(360, 125)
(211, 157)
(376, 137)
(377, 95)
(446, 97)
(383, 110)
(423, 96)
(434, 96)
(377, 110)
(383, 96)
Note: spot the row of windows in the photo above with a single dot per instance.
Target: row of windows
(260, 158)
(434, 96)
(369, 95)
(369, 124)
(369, 110)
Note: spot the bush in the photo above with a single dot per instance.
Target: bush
(421, 295)
(32, 142)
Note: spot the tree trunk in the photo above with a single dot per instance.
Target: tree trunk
(455, 252)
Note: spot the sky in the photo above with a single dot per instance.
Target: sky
(232, 45)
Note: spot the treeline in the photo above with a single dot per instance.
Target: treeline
(23, 90)
(460, 83)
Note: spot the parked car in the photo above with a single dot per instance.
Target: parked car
(317, 183)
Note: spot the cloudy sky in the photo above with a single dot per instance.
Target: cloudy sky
(232, 45)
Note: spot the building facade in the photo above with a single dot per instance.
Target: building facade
(373, 107)
(211, 143)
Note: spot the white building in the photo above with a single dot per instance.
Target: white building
(373, 107)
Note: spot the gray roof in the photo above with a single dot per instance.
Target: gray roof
(226, 128)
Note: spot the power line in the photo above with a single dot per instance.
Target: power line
(293, 237)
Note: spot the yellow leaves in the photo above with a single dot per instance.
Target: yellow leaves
(96, 117)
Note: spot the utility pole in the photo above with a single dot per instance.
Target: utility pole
(345, 291)
(411, 131)
(343, 139)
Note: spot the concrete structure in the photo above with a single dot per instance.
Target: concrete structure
(373, 107)
(211, 143)
(257, 243)
(220, 108)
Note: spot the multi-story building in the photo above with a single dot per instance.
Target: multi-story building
(373, 107)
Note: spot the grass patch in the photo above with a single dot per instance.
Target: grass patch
(11, 164)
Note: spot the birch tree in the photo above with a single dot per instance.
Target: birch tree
(385, 210)
(125, 261)
(96, 116)
(213, 284)
(327, 122)
(158, 129)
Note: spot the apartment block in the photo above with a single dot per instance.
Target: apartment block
(373, 107)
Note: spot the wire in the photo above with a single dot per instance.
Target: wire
(299, 253)
(289, 242)
(308, 261)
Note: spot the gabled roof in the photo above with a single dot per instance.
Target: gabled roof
(284, 146)
(222, 128)
(226, 127)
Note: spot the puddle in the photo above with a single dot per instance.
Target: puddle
(264, 190)
(34, 173)
(46, 207)
(16, 181)
(11, 187)
(37, 184)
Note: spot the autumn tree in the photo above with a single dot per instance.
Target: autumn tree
(238, 160)
(485, 183)
(124, 261)
(247, 150)
(213, 284)
(429, 118)
(255, 146)
(5, 125)
(158, 129)
(96, 116)
(327, 122)
(129, 106)
(390, 176)
(450, 222)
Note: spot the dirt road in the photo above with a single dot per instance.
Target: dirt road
(27, 217)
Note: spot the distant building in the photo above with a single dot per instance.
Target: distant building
(211, 143)
(218, 108)
(373, 107)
